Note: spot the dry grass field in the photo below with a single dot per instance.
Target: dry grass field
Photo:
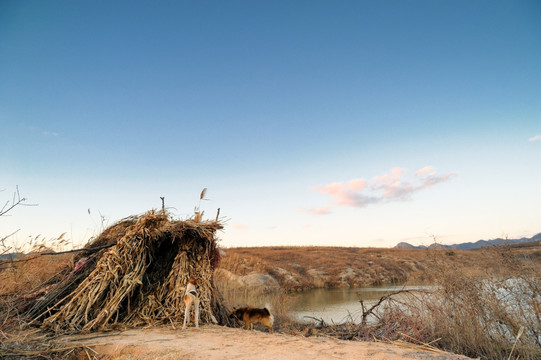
(486, 302)
(487, 306)
(25, 274)
(298, 268)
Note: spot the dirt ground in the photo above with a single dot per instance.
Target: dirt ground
(216, 342)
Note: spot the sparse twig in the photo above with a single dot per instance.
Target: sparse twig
(520, 331)
(370, 311)
(17, 200)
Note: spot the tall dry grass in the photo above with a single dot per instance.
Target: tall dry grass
(478, 315)
(238, 293)
(486, 303)
(22, 273)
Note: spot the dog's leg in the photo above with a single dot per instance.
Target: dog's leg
(197, 312)
(268, 324)
(188, 302)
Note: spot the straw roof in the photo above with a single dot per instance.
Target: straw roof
(139, 280)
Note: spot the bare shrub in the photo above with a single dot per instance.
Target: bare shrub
(495, 314)
(480, 315)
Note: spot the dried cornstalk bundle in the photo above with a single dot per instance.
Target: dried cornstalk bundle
(142, 278)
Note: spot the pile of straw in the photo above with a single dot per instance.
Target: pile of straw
(139, 280)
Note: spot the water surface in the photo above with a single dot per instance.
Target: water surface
(339, 304)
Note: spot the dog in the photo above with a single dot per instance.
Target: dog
(191, 297)
(251, 316)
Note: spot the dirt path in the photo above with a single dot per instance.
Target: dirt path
(216, 342)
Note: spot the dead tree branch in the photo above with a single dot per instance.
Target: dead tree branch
(17, 201)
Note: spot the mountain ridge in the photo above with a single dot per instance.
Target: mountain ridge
(472, 245)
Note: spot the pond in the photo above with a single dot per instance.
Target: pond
(337, 305)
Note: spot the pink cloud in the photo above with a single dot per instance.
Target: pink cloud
(324, 210)
(397, 190)
(387, 187)
(337, 191)
(331, 189)
(347, 193)
(388, 179)
(424, 170)
(534, 138)
(320, 211)
(391, 185)
(434, 179)
(357, 184)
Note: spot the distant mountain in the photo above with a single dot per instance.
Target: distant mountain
(438, 246)
(405, 245)
(472, 245)
(10, 256)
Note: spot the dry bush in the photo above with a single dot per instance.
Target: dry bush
(492, 314)
(22, 273)
(244, 264)
(25, 274)
(480, 315)
(38, 345)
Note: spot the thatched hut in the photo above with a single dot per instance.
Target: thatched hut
(135, 273)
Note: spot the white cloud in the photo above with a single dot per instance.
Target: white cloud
(534, 138)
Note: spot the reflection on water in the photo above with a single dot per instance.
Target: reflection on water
(339, 305)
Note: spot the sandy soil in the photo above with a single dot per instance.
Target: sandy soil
(216, 342)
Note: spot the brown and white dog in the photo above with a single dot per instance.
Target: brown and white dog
(254, 315)
(191, 297)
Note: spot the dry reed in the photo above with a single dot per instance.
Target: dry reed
(139, 281)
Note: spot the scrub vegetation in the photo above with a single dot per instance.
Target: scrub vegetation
(485, 304)
(302, 268)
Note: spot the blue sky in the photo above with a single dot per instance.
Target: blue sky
(346, 123)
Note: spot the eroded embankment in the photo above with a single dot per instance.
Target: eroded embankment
(301, 268)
